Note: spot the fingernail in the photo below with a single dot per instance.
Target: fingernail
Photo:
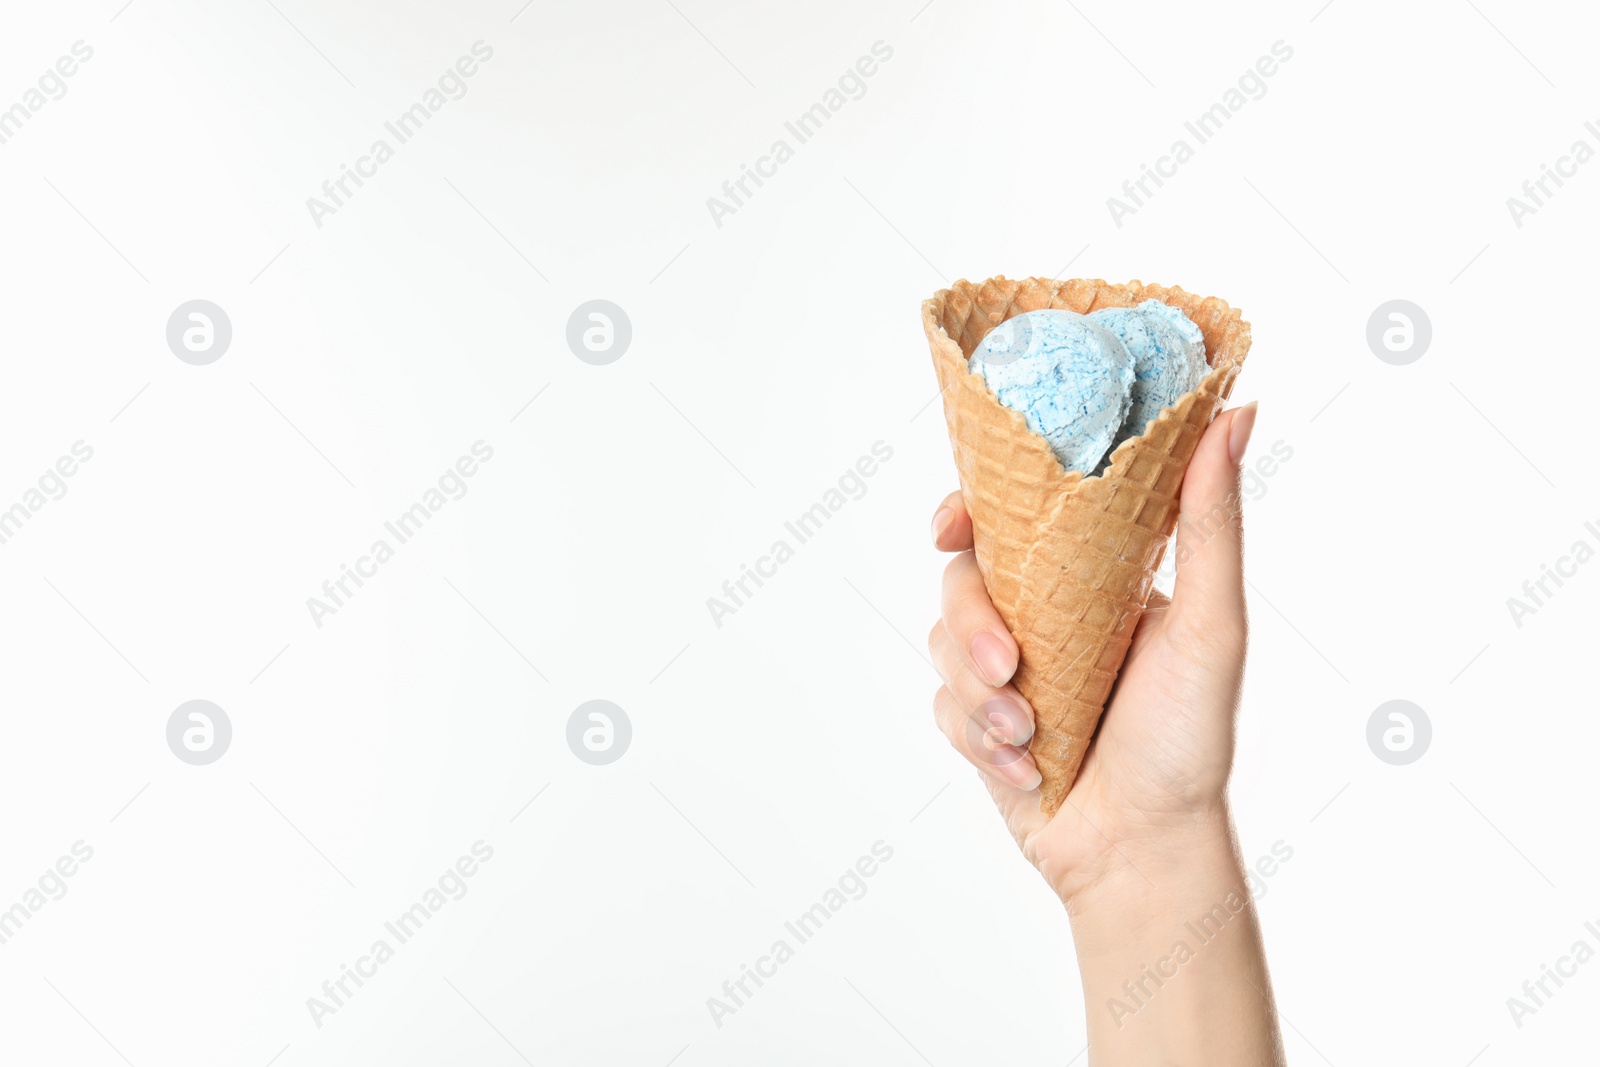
(1020, 771)
(1006, 762)
(1244, 424)
(941, 522)
(1012, 722)
(992, 658)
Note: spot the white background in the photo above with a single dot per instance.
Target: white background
(768, 354)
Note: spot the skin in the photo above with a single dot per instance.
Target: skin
(1144, 845)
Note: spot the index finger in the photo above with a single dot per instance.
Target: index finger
(952, 526)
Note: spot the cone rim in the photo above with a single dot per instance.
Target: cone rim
(1224, 364)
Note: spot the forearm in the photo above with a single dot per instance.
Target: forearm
(1173, 967)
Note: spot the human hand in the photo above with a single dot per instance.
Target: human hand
(1153, 783)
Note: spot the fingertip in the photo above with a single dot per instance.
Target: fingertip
(1213, 469)
(1210, 585)
(1240, 428)
(952, 525)
(1022, 772)
(1008, 762)
(994, 656)
(1012, 717)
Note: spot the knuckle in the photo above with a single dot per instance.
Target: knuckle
(943, 700)
(939, 651)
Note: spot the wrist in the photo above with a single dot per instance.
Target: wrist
(1169, 946)
(1149, 874)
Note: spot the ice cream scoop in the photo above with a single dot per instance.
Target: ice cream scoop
(1068, 375)
(1169, 358)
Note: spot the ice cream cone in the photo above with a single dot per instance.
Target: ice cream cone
(1069, 560)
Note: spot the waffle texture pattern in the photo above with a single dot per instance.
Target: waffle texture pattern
(1069, 560)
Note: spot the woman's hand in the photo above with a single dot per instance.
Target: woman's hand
(1142, 851)
(1155, 776)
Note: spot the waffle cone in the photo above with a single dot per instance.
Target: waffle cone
(1069, 560)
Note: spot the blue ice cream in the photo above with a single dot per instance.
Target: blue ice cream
(1087, 383)
(1169, 358)
(1068, 375)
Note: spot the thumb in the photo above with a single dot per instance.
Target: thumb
(1209, 594)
